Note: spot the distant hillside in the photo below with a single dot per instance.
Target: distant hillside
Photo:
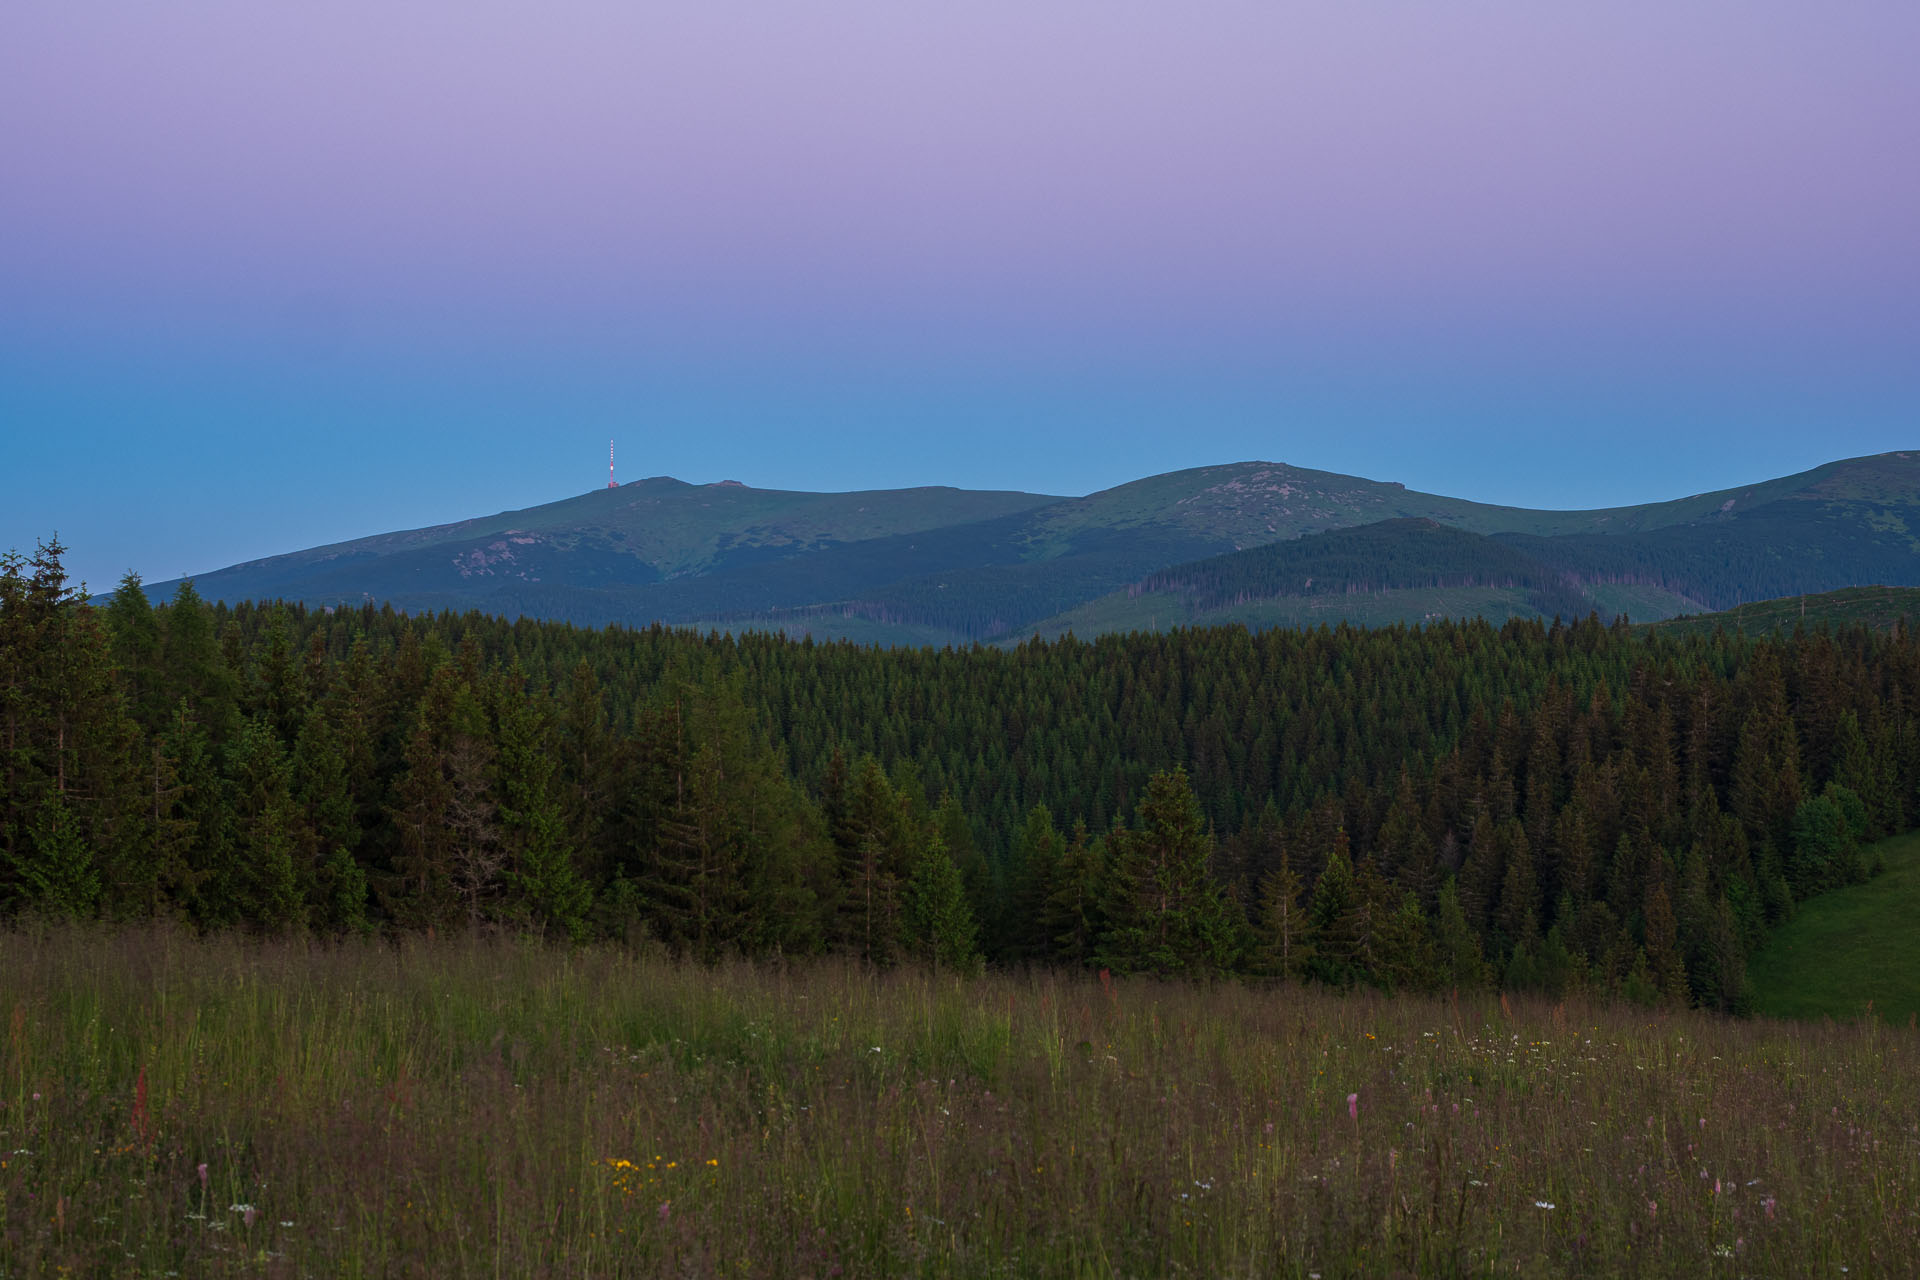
(1396, 571)
(583, 558)
(939, 566)
(1395, 554)
(1845, 523)
(1877, 608)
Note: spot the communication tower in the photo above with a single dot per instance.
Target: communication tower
(611, 482)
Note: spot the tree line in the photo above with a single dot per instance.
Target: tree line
(1534, 806)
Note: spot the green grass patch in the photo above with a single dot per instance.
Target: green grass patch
(1850, 948)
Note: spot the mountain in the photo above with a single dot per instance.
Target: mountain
(597, 556)
(1255, 542)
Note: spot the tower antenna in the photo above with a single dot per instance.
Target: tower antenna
(611, 482)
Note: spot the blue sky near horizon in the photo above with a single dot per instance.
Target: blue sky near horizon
(272, 277)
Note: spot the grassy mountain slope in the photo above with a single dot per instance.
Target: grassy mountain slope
(1396, 571)
(647, 531)
(1886, 479)
(1876, 607)
(1845, 523)
(1242, 505)
(947, 565)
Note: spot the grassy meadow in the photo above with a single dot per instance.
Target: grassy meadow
(173, 1106)
(1852, 950)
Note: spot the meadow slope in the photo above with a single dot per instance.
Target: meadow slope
(1850, 952)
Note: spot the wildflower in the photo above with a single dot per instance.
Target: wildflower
(203, 1175)
(1353, 1106)
(666, 1207)
(1543, 1204)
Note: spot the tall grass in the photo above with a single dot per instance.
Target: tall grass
(496, 1107)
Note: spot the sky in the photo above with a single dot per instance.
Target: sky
(279, 275)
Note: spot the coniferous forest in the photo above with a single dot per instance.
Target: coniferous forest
(1554, 808)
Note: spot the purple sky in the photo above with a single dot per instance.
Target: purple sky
(272, 275)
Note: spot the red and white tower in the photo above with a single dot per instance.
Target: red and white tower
(611, 482)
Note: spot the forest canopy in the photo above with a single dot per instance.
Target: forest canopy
(1535, 806)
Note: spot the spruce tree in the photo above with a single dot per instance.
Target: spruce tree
(1283, 933)
(1460, 962)
(1165, 912)
(340, 894)
(135, 632)
(55, 868)
(1038, 852)
(273, 852)
(420, 891)
(939, 920)
(1073, 914)
(1335, 916)
(544, 886)
(871, 840)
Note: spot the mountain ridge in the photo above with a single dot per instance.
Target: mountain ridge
(937, 563)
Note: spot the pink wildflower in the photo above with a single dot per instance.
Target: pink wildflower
(203, 1176)
(666, 1207)
(1353, 1106)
